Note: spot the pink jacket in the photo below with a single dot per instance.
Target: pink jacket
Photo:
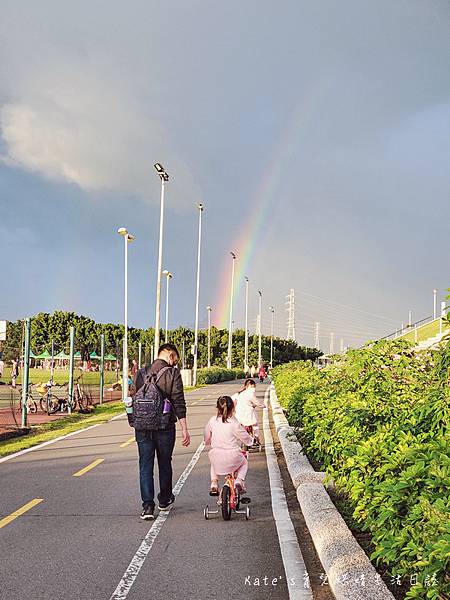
(226, 436)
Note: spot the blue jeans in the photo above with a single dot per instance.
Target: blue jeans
(161, 442)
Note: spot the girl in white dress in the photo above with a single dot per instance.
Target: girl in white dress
(246, 402)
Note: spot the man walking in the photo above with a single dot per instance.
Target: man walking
(161, 441)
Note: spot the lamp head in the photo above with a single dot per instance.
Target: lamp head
(209, 308)
(200, 206)
(122, 231)
(271, 308)
(233, 255)
(161, 171)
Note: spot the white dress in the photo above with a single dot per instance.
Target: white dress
(246, 402)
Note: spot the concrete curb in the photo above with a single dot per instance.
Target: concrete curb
(350, 573)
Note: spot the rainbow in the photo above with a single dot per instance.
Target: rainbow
(248, 239)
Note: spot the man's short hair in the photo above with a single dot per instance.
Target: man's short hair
(170, 348)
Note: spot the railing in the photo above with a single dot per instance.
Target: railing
(415, 327)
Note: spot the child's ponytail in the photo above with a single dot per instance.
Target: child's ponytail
(225, 408)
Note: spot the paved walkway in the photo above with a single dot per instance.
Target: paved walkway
(77, 527)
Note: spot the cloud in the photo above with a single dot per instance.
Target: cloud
(17, 236)
(72, 126)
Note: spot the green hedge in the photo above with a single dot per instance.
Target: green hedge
(378, 420)
(216, 375)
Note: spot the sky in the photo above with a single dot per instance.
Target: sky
(314, 133)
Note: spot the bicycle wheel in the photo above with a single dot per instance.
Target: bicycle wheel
(53, 403)
(83, 401)
(72, 402)
(226, 509)
(31, 406)
(43, 403)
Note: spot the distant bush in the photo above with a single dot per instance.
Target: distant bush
(379, 422)
(217, 374)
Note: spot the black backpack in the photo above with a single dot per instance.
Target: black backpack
(148, 405)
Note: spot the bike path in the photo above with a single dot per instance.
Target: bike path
(78, 542)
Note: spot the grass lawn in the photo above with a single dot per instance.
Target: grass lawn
(61, 377)
(63, 426)
(426, 331)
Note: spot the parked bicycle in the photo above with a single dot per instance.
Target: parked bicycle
(50, 402)
(30, 402)
(81, 396)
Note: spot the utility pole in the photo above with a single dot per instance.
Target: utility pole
(246, 327)
(164, 177)
(209, 309)
(317, 336)
(342, 345)
(260, 330)
(291, 315)
(434, 303)
(230, 325)
(272, 310)
(197, 295)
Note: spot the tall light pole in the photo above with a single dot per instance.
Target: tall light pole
(209, 309)
(260, 329)
(168, 276)
(230, 324)
(434, 303)
(246, 327)
(272, 310)
(164, 177)
(127, 239)
(317, 336)
(197, 296)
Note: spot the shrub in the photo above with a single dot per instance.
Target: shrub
(217, 374)
(378, 420)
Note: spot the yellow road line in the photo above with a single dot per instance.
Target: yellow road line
(88, 468)
(196, 402)
(20, 511)
(128, 442)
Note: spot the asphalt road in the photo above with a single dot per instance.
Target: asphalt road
(77, 543)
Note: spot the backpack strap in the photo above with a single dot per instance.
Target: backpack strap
(161, 372)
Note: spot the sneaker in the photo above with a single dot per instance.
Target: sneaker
(165, 505)
(148, 513)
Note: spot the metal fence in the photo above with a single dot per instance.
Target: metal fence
(11, 398)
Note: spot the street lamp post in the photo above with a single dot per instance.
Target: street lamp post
(127, 239)
(260, 329)
(164, 177)
(434, 303)
(272, 310)
(209, 309)
(246, 327)
(230, 324)
(197, 295)
(168, 276)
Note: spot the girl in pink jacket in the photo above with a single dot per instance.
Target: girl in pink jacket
(225, 434)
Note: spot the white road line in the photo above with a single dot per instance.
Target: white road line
(129, 577)
(58, 439)
(294, 566)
